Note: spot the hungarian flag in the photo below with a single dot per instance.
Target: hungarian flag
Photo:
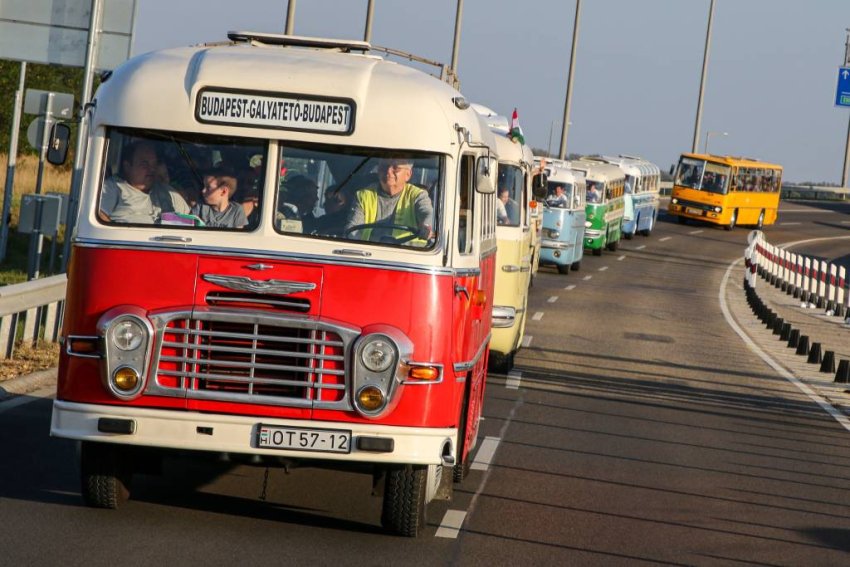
(516, 132)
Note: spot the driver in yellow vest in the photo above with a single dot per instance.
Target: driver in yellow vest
(396, 211)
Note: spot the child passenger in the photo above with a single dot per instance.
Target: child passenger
(217, 210)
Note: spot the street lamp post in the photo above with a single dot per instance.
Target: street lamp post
(708, 135)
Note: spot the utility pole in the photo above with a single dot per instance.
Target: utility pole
(565, 127)
(370, 12)
(290, 17)
(456, 44)
(844, 170)
(695, 145)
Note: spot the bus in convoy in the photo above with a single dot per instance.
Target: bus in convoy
(285, 254)
(564, 215)
(640, 197)
(604, 203)
(726, 190)
(515, 255)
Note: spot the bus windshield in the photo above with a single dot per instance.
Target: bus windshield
(511, 182)
(561, 195)
(182, 180)
(359, 194)
(703, 176)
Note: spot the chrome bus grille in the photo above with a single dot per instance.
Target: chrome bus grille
(260, 359)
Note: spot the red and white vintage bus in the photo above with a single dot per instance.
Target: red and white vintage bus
(285, 251)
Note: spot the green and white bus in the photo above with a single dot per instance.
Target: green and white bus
(604, 204)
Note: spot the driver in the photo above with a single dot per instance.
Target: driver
(393, 209)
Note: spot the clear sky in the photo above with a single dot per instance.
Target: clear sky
(771, 84)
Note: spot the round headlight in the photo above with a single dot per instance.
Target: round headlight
(378, 355)
(370, 398)
(127, 335)
(674, 200)
(125, 379)
(717, 209)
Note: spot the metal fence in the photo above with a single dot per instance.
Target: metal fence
(31, 311)
(816, 283)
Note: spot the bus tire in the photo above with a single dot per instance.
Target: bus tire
(461, 469)
(575, 266)
(682, 220)
(403, 510)
(612, 246)
(104, 481)
(563, 268)
(597, 251)
(733, 221)
(500, 363)
(760, 223)
(628, 235)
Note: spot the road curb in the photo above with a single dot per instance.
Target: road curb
(28, 383)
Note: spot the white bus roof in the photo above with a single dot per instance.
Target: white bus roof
(632, 165)
(563, 173)
(391, 105)
(598, 170)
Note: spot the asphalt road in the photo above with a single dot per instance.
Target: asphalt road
(637, 428)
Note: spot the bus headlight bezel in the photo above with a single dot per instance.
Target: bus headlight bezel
(379, 381)
(127, 336)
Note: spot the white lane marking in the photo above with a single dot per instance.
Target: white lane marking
(485, 454)
(810, 211)
(450, 526)
(621, 258)
(586, 278)
(665, 238)
(553, 299)
(537, 316)
(603, 268)
(789, 223)
(24, 399)
(825, 405)
(570, 287)
(641, 247)
(526, 341)
(695, 232)
(514, 380)
(845, 222)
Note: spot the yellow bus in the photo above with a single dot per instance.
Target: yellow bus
(726, 190)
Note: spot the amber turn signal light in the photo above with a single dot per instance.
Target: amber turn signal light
(428, 373)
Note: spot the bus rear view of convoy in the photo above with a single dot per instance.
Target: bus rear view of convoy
(285, 253)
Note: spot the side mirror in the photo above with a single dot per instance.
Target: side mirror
(672, 169)
(539, 185)
(57, 147)
(484, 175)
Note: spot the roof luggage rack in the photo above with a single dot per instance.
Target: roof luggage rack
(345, 45)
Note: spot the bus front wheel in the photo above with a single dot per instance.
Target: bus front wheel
(575, 266)
(404, 504)
(104, 475)
(682, 220)
(563, 268)
(733, 221)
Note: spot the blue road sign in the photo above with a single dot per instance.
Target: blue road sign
(842, 91)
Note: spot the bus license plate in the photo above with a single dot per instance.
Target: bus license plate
(300, 439)
(692, 211)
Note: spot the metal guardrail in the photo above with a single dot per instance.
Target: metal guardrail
(31, 311)
(815, 192)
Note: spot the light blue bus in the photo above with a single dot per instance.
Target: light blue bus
(564, 216)
(643, 180)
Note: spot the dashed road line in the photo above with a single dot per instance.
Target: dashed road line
(526, 341)
(603, 268)
(570, 287)
(789, 223)
(485, 454)
(641, 247)
(665, 238)
(586, 278)
(621, 258)
(514, 380)
(696, 231)
(553, 299)
(450, 526)
(537, 316)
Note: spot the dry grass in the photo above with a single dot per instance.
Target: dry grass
(28, 359)
(56, 179)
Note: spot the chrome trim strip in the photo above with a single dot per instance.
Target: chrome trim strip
(469, 365)
(439, 380)
(247, 253)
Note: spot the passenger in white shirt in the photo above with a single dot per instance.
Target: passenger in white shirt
(136, 196)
